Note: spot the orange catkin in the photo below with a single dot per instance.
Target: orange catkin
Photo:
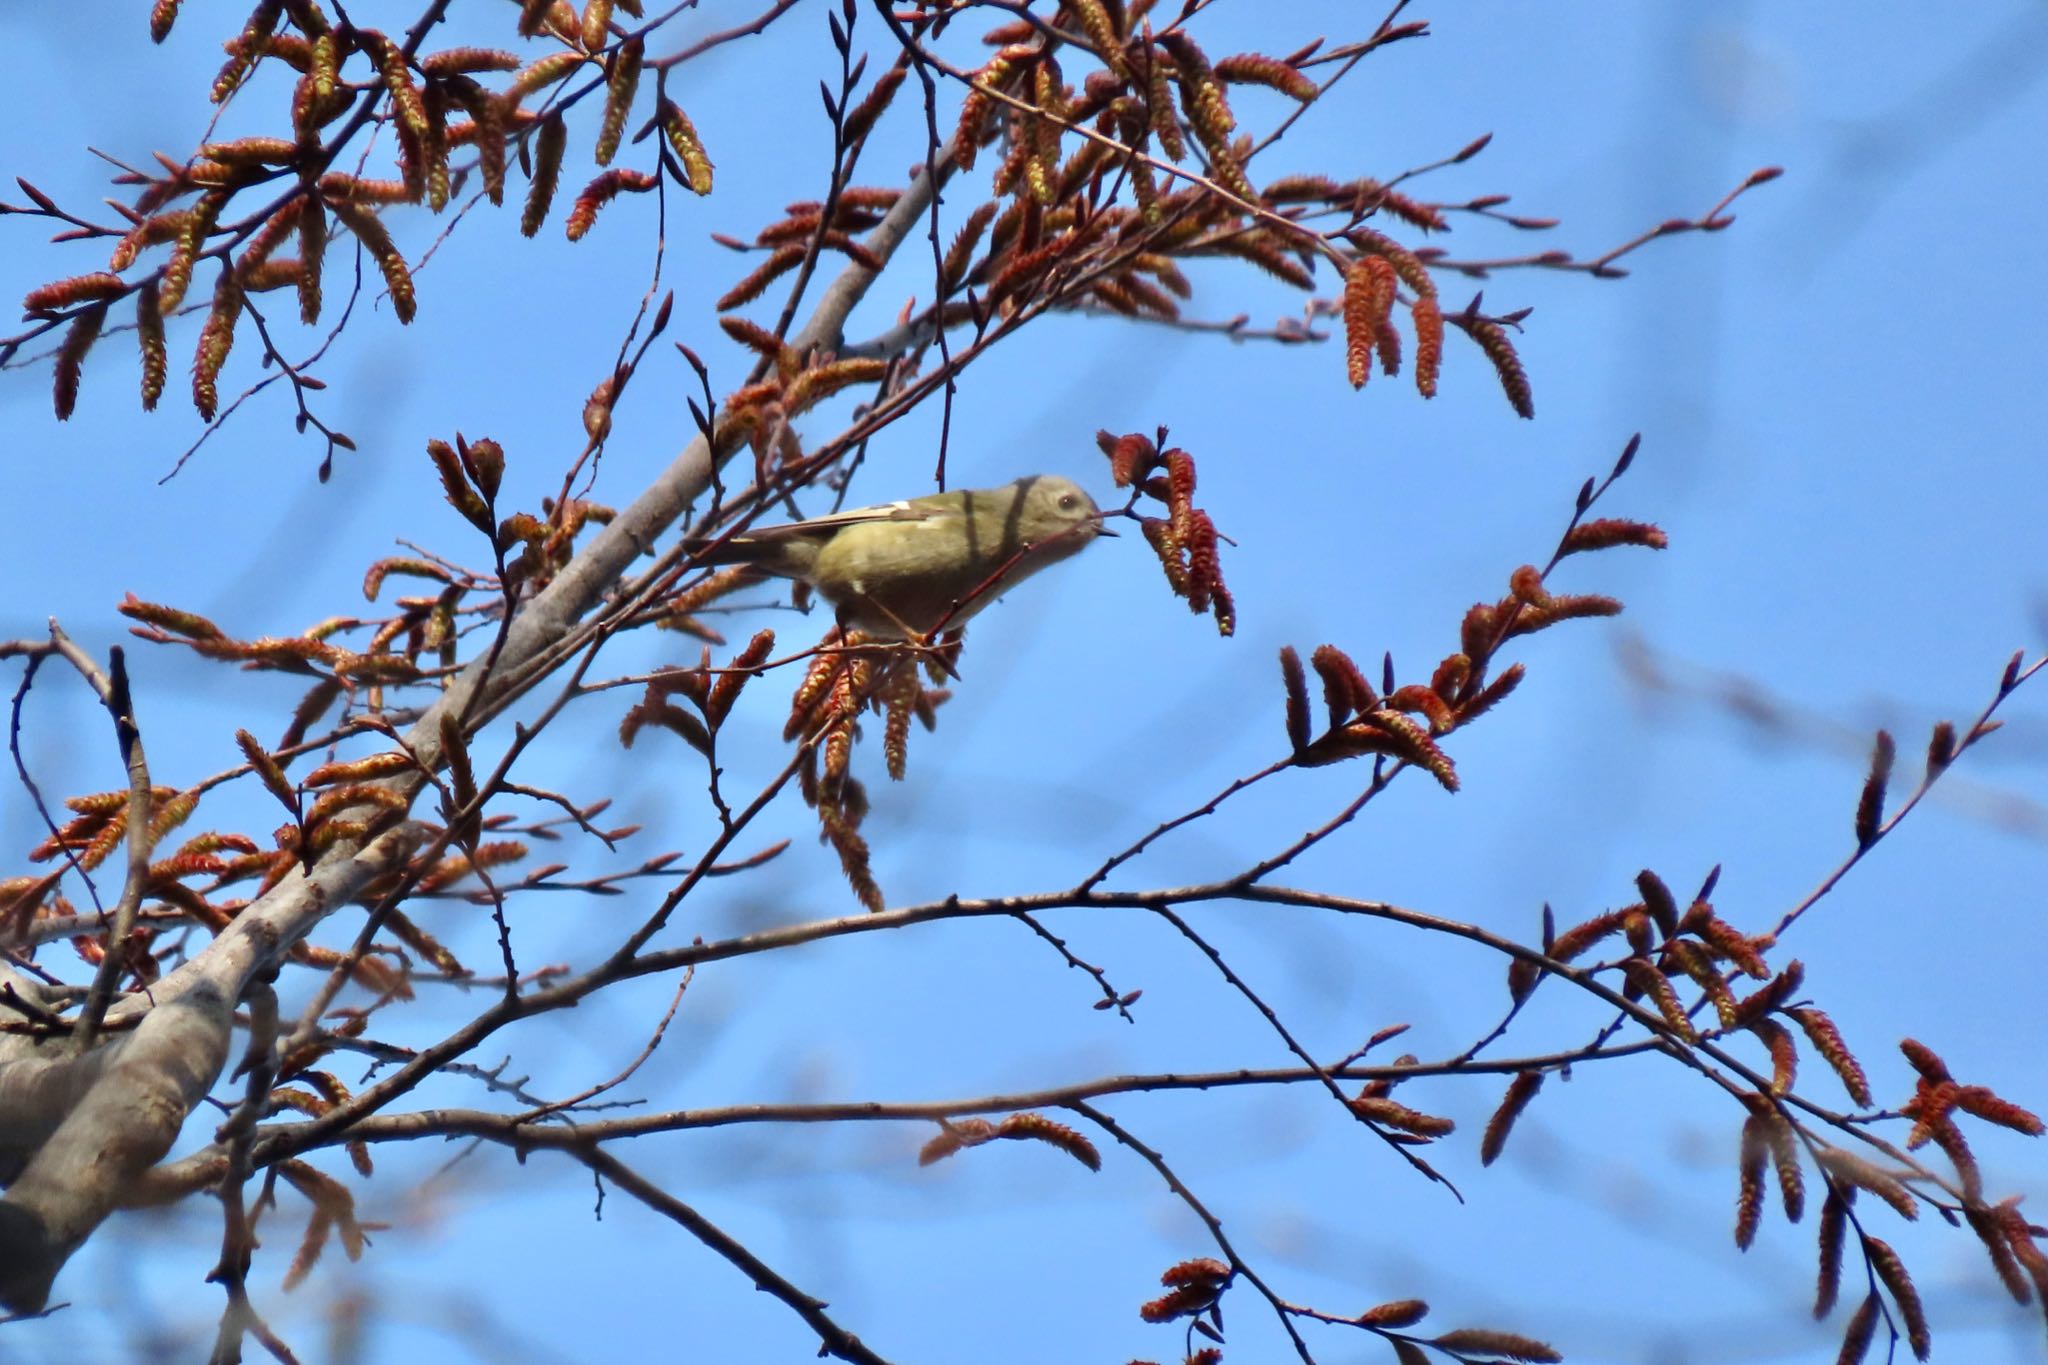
(149, 332)
(78, 339)
(1520, 1091)
(1359, 331)
(369, 229)
(601, 191)
(1428, 321)
(1296, 680)
(1514, 380)
(547, 170)
(621, 83)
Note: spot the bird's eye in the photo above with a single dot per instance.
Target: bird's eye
(1068, 502)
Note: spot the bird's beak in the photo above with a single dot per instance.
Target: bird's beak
(1103, 530)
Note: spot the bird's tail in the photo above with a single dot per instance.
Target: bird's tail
(764, 554)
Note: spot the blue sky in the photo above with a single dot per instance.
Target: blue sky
(1842, 418)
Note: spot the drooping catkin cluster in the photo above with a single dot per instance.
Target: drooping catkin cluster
(1185, 540)
(1683, 965)
(1064, 239)
(1097, 220)
(850, 676)
(762, 415)
(1192, 1287)
(1406, 721)
(100, 822)
(448, 127)
(342, 799)
(1373, 281)
(347, 799)
(1361, 721)
(712, 692)
(1195, 1289)
(417, 643)
(1937, 1100)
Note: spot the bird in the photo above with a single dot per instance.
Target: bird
(903, 570)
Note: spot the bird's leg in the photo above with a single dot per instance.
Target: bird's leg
(902, 627)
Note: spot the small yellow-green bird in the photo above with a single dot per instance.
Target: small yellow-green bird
(907, 568)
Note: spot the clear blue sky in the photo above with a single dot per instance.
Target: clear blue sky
(1842, 418)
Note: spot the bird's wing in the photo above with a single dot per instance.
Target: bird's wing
(913, 509)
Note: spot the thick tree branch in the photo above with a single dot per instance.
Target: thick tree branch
(130, 1107)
